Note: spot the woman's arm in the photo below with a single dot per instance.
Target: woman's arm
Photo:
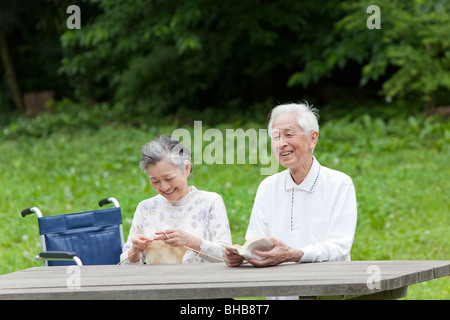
(135, 230)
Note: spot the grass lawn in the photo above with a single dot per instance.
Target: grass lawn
(400, 169)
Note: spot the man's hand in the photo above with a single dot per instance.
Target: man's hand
(280, 253)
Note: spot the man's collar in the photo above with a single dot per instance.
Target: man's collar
(309, 183)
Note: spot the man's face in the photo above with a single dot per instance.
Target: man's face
(292, 147)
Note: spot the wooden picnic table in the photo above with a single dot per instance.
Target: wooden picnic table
(325, 280)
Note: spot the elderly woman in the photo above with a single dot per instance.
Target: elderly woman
(180, 215)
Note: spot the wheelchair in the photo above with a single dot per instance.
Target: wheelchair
(81, 238)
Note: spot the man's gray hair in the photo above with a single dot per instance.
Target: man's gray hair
(164, 148)
(307, 116)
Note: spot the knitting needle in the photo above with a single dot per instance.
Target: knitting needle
(129, 256)
(200, 252)
(187, 248)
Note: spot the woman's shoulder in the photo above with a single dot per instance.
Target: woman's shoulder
(150, 202)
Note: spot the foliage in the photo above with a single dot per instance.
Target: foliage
(399, 167)
(157, 57)
(154, 58)
(410, 53)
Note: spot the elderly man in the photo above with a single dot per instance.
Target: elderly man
(308, 211)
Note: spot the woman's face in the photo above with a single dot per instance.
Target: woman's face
(169, 180)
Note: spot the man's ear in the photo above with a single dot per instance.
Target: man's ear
(314, 137)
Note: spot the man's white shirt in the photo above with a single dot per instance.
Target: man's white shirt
(318, 216)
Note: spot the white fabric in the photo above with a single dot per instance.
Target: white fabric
(200, 213)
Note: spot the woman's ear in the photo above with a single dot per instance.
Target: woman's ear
(188, 168)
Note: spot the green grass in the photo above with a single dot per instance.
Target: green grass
(400, 169)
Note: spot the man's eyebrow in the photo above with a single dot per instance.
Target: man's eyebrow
(284, 129)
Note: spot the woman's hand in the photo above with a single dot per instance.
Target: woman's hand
(138, 245)
(178, 238)
(232, 259)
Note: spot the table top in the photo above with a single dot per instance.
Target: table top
(216, 280)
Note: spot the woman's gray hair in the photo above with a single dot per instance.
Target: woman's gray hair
(307, 116)
(164, 148)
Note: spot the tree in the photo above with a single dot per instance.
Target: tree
(410, 53)
(10, 73)
(30, 48)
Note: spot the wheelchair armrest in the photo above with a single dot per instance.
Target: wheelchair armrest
(60, 255)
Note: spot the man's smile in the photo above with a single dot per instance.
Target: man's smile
(286, 153)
